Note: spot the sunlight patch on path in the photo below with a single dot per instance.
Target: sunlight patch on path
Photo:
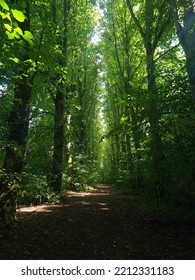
(101, 190)
(39, 208)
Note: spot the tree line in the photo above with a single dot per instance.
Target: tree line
(148, 56)
(49, 100)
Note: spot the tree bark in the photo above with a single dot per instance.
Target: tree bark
(186, 36)
(18, 123)
(57, 164)
(151, 36)
(59, 98)
(156, 141)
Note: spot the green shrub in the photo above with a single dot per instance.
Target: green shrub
(177, 208)
(35, 190)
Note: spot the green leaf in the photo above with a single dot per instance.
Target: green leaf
(4, 5)
(15, 59)
(8, 16)
(8, 27)
(3, 15)
(11, 36)
(22, 43)
(19, 31)
(19, 16)
(123, 119)
(28, 37)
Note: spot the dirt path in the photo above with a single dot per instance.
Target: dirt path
(95, 225)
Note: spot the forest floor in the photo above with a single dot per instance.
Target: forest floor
(98, 224)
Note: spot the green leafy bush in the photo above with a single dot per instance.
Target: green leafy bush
(35, 190)
(178, 207)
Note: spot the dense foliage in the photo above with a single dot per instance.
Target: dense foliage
(149, 109)
(97, 91)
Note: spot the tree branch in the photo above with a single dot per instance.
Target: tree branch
(160, 33)
(166, 52)
(174, 7)
(141, 31)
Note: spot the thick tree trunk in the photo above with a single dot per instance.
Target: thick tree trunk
(190, 66)
(150, 43)
(57, 165)
(186, 36)
(14, 157)
(59, 99)
(187, 41)
(18, 123)
(156, 141)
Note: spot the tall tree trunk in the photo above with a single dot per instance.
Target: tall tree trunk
(136, 140)
(186, 36)
(151, 35)
(82, 126)
(59, 98)
(126, 77)
(129, 152)
(156, 141)
(57, 164)
(18, 123)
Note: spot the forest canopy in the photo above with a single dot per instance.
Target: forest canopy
(97, 92)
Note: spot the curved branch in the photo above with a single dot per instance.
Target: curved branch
(141, 31)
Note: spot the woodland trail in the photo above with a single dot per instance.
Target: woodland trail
(99, 224)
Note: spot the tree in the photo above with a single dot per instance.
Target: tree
(183, 13)
(59, 97)
(184, 18)
(156, 22)
(18, 119)
(122, 108)
(82, 85)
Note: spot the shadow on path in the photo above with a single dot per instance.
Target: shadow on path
(98, 224)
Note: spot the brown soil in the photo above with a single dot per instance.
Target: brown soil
(99, 224)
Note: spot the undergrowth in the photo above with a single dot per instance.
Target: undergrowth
(171, 209)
